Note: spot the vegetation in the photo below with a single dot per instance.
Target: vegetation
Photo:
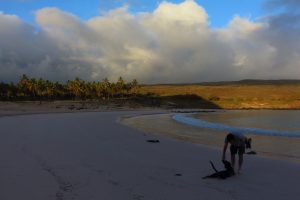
(77, 89)
(247, 94)
(237, 95)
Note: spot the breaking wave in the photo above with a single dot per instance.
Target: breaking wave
(186, 119)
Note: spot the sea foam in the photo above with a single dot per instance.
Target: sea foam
(186, 119)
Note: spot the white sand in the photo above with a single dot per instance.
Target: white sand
(90, 156)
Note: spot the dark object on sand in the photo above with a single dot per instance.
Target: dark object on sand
(248, 143)
(178, 174)
(251, 152)
(153, 141)
(221, 174)
(249, 146)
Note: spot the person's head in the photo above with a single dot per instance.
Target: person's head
(230, 138)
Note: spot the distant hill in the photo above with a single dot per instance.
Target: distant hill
(240, 82)
(244, 94)
(254, 82)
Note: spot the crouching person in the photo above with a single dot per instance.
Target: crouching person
(237, 146)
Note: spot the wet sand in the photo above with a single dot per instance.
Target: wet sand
(162, 124)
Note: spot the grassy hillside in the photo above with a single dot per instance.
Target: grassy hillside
(238, 95)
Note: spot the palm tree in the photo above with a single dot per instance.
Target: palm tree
(120, 86)
(23, 86)
(134, 86)
(38, 89)
(77, 88)
(106, 88)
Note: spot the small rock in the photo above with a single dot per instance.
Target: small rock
(153, 141)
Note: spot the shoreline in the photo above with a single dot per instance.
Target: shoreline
(8, 109)
(186, 133)
(266, 146)
(90, 155)
(14, 108)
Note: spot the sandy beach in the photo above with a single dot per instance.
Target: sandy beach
(8, 108)
(91, 155)
(286, 148)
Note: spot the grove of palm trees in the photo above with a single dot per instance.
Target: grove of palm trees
(39, 89)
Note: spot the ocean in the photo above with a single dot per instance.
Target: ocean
(261, 122)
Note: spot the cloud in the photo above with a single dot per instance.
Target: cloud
(174, 43)
(283, 31)
(288, 4)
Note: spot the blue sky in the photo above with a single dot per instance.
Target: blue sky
(219, 11)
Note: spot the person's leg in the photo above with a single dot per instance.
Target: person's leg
(241, 151)
(241, 159)
(233, 160)
(233, 151)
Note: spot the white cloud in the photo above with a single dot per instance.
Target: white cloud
(174, 43)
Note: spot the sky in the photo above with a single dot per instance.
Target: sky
(175, 41)
(220, 11)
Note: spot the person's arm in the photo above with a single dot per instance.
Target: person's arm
(224, 150)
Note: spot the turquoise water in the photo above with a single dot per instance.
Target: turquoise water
(261, 122)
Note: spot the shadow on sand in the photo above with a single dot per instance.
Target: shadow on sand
(175, 101)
